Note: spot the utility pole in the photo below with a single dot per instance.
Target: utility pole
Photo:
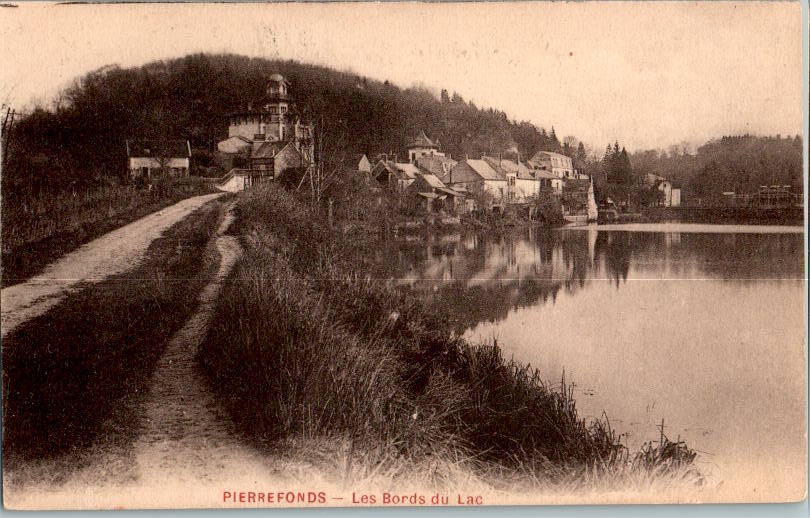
(8, 124)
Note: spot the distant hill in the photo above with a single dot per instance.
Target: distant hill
(83, 136)
(731, 163)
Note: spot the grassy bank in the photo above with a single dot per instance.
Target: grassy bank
(66, 371)
(37, 230)
(307, 346)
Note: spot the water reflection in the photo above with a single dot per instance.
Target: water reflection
(705, 330)
(478, 277)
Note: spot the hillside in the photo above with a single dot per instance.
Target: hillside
(731, 163)
(80, 140)
(83, 135)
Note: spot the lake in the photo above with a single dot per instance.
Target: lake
(702, 326)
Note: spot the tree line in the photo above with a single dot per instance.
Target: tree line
(80, 139)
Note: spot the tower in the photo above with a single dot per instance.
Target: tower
(276, 107)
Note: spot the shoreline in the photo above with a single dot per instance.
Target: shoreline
(369, 362)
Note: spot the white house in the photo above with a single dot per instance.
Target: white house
(147, 158)
(522, 181)
(672, 195)
(473, 174)
(559, 165)
(275, 121)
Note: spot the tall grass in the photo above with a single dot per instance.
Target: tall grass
(306, 344)
(38, 229)
(69, 369)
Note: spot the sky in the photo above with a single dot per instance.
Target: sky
(646, 74)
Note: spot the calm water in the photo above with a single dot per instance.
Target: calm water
(700, 326)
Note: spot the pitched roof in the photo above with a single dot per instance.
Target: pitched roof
(157, 148)
(422, 140)
(383, 165)
(520, 169)
(409, 170)
(541, 155)
(434, 164)
(484, 170)
(433, 181)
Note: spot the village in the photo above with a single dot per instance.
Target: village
(269, 141)
(330, 254)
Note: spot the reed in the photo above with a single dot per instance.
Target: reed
(306, 344)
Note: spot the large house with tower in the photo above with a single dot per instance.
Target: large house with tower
(272, 138)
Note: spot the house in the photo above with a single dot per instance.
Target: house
(148, 158)
(265, 132)
(382, 170)
(361, 163)
(420, 146)
(394, 176)
(559, 165)
(671, 195)
(435, 195)
(478, 175)
(270, 160)
(523, 182)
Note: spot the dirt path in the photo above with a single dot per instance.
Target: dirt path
(110, 254)
(187, 452)
(188, 442)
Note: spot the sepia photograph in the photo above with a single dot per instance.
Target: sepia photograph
(450, 254)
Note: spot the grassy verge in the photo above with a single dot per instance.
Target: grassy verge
(306, 344)
(36, 231)
(67, 370)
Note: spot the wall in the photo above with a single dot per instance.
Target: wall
(525, 188)
(137, 163)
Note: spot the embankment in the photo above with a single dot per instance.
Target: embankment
(307, 346)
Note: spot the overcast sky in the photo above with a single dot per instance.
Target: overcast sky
(647, 74)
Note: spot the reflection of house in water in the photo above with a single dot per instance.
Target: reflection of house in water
(476, 278)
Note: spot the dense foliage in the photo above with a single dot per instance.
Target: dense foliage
(80, 139)
(82, 136)
(731, 163)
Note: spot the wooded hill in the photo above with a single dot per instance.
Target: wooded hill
(82, 135)
(731, 163)
(80, 139)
